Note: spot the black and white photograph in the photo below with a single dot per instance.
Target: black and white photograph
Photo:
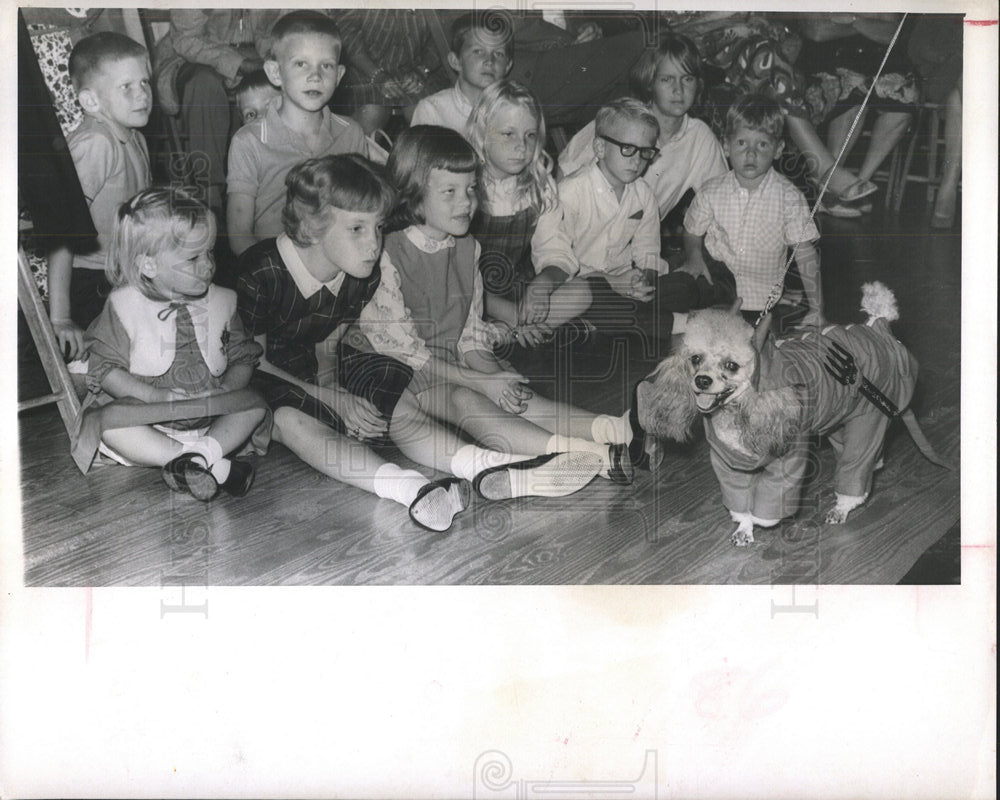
(532, 399)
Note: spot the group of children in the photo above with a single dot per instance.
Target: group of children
(351, 335)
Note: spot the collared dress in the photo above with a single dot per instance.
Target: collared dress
(277, 297)
(187, 346)
(429, 303)
(518, 239)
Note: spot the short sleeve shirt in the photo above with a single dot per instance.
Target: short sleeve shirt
(111, 171)
(262, 153)
(751, 231)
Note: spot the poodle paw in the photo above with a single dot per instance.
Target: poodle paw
(743, 535)
(845, 505)
(836, 516)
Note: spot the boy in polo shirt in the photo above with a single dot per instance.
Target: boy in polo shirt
(110, 73)
(744, 221)
(481, 57)
(305, 64)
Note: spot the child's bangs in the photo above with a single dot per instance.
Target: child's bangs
(455, 161)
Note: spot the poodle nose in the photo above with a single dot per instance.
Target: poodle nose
(703, 382)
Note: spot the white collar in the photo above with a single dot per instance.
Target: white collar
(305, 281)
(424, 242)
(678, 135)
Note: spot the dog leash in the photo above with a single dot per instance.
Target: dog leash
(779, 288)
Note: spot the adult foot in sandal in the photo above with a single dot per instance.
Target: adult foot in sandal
(838, 210)
(845, 186)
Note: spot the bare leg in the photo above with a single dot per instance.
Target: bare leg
(840, 127)
(944, 206)
(889, 129)
(142, 445)
(231, 430)
(819, 160)
(327, 451)
(483, 420)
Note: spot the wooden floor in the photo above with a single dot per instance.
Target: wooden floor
(120, 526)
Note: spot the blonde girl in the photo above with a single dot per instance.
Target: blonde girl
(526, 257)
(170, 347)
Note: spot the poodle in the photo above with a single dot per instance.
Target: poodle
(762, 399)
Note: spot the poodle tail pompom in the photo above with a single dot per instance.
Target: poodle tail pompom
(878, 302)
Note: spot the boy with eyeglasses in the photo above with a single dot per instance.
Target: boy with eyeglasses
(611, 217)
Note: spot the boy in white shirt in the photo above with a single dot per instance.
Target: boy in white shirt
(611, 216)
(481, 57)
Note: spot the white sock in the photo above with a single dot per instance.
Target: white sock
(396, 483)
(611, 430)
(220, 470)
(206, 447)
(469, 460)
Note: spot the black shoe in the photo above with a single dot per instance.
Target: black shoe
(186, 474)
(644, 450)
(550, 475)
(438, 502)
(241, 475)
(620, 469)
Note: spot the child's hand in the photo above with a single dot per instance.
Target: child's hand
(532, 335)
(534, 306)
(632, 284)
(507, 389)
(361, 419)
(70, 338)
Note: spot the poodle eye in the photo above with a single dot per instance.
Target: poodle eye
(695, 361)
(731, 366)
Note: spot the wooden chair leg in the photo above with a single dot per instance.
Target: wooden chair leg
(932, 153)
(899, 188)
(63, 394)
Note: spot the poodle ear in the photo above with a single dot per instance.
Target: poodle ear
(666, 403)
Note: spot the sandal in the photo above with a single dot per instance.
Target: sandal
(855, 190)
(838, 210)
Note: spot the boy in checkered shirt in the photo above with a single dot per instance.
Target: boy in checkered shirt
(746, 219)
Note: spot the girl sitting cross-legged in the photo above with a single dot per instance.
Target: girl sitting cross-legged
(298, 293)
(428, 313)
(169, 359)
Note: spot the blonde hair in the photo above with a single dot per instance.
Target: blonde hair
(535, 181)
(151, 222)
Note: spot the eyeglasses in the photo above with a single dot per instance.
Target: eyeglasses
(629, 150)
